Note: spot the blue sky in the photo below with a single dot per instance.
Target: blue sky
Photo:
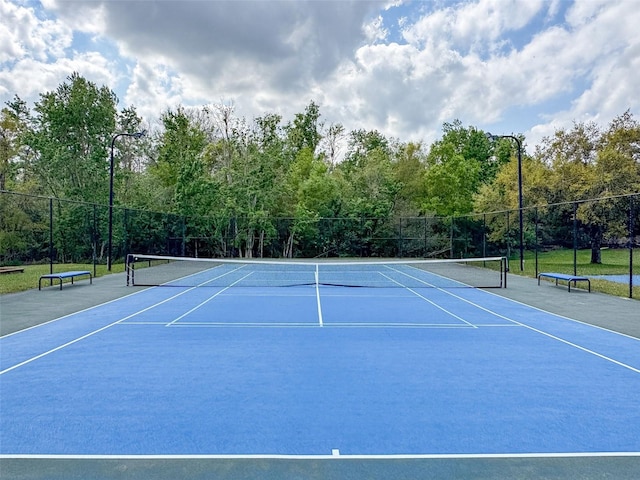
(400, 67)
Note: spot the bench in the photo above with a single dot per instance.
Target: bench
(11, 270)
(565, 277)
(63, 275)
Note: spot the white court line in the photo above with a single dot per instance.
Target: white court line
(567, 342)
(104, 328)
(328, 325)
(314, 325)
(97, 306)
(60, 347)
(400, 456)
(241, 325)
(208, 299)
(318, 297)
(537, 330)
(563, 316)
(425, 298)
(399, 325)
(72, 314)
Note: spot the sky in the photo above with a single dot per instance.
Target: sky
(401, 67)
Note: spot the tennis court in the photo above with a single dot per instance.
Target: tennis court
(373, 362)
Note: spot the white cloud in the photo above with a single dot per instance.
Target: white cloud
(22, 35)
(374, 30)
(153, 89)
(29, 77)
(496, 64)
(87, 17)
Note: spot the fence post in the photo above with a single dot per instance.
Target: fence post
(631, 232)
(51, 237)
(536, 246)
(95, 239)
(575, 238)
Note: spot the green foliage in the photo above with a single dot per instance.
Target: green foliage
(457, 167)
(590, 164)
(71, 135)
(409, 169)
(9, 148)
(304, 132)
(451, 181)
(224, 181)
(182, 142)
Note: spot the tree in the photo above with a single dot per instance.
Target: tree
(450, 182)
(409, 167)
(304, 132)
(616, 172)
(457, 165)
(72, 132)
(312, 195)
(332, 143)
(368, 191)
(9, 147)
(502, 194)
(588, 163)
(129, 164)
(180, 142)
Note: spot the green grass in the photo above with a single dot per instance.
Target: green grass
(614, 262)
(19, 282)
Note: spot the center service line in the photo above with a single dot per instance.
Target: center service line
(318, 297)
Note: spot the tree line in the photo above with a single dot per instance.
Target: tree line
(211, 166)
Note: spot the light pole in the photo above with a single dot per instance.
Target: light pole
(113, 142)
(521, 233)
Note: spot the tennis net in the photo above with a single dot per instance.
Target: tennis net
(155, 270)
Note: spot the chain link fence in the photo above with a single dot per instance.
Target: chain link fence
(591, 237)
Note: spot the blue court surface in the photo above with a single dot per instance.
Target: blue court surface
(318, 371)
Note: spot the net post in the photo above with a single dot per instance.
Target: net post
(504, 266)
(129, 269)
